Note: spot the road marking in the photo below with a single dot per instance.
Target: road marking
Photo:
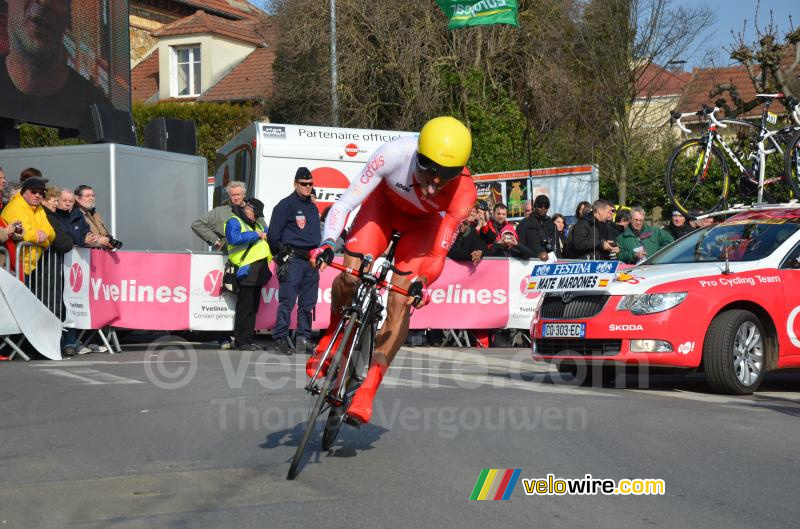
(92, 377)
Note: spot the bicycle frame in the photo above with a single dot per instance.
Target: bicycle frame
(366, 303)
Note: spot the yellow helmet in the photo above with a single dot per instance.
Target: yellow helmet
(445, 141)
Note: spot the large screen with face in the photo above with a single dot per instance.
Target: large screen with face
(57, 57)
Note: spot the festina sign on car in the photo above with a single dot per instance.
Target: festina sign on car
(562, 277)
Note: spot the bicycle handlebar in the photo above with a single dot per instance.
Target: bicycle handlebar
(705, 111)
(381, 283)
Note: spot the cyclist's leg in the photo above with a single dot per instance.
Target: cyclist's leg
(370, 234)
(413, 251)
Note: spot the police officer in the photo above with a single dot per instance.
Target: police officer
(294, 229)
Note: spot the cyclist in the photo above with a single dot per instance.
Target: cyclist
(421, 188)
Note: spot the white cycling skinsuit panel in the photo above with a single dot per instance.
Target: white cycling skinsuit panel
(393, 163)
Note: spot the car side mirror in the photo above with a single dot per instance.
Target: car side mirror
(793, 263)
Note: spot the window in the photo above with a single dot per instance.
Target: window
(186, 73)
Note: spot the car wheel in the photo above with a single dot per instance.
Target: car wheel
(734, 353)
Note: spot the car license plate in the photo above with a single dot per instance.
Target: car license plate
(564, 330)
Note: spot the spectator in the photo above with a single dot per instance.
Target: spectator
(491, 229)
(294, 231)
(72, 218)
(30, 172)
(639, 240)
(483, 215)
(589, 237)
(26, 207)
(248, 249)
(211, 226)
(62, 244)
(63, 241)
(560, 241)
(468, 246)
(85, 197)
(528, 208)
(613, 230)
(2, 187)
(582, 210)
(537, 232)
(678, 226)
(507, 245)
(7, 231)
(623, 218)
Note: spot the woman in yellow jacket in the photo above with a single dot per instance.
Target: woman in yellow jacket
(26, 207)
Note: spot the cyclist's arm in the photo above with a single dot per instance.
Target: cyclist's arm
(463, 201)
(379, 165)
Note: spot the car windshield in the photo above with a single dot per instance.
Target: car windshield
(739, 240)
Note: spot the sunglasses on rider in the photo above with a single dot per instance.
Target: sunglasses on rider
(434, 170)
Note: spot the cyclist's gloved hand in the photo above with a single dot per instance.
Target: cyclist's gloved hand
(418, 292)
(323, 254)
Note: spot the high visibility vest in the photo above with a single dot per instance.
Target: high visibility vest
(259, 251)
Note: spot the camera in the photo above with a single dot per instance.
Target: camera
(116, 244)
(547, 245)
(17, 226)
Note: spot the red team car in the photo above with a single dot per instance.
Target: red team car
(725, 299)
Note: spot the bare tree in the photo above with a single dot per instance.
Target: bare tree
(772, 64)
(618, 42)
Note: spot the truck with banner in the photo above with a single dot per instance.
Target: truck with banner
(265, 157)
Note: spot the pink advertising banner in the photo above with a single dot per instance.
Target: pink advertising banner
(161, 291)
(138, 290)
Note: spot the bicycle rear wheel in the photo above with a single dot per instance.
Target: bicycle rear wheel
(791, 160)
(322, 397)
(696, 178)
(351, 381)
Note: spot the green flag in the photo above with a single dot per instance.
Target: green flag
(464, 13)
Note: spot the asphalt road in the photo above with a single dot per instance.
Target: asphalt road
(149, 439)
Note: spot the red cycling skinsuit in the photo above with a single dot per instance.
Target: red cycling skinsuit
(391, 200)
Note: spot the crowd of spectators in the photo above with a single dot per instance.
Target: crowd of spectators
(46, 217)
(599, 231)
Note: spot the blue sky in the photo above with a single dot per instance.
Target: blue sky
(729, 16)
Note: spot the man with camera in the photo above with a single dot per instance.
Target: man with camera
(100, 236)
(294, 230)
(26, 213)
(537, 232)
(589, 238)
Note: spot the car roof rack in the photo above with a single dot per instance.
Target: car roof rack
(742, 208)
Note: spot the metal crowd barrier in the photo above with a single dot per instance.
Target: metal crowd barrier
(46, 281)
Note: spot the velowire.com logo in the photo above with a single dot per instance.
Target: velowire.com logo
(495, 484)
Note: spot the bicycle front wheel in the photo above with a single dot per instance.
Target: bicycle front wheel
(697, 178)
(322, 397)
(791, 160)
(351, 380)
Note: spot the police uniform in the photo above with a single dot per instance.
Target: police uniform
(294, 231)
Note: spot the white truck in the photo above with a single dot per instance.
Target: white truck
(266, 156)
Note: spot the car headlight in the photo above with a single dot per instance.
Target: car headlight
(651, 303)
